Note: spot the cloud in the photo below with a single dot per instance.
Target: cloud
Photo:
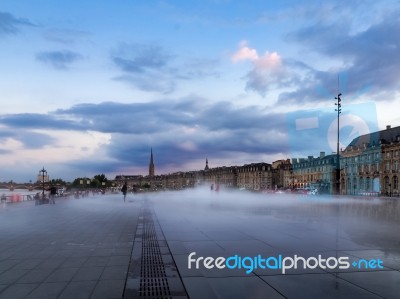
(245, 53)
(10, 24)
(368, 59)
(60, 60)
(138, 58)
(40, 121)
(181, 132)
(65, 36)
(267, 70)
(152, 68)
(144, 66)
(116, 137)
(145, 82)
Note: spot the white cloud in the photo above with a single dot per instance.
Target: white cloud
(245, 53)
(267, 70)
(68, 146)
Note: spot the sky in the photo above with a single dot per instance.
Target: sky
(89, 87)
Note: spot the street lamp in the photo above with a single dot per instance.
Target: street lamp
(44, 173)
(339, 110)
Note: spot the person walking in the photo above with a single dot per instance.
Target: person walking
(124, 190)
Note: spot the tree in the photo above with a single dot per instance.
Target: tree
(96, 182)
(100, 179)
(58, 182)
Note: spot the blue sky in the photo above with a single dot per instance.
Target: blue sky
(89, 87)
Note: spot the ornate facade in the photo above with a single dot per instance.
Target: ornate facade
(370, 164)
(316, 173)
(256, 176)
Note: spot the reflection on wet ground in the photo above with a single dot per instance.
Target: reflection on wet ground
(101, 247)
(224, 224)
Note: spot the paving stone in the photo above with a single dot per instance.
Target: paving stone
(88, 273)
(47, 290)
(96, 261)
(35, 276)
(28, 264)
(62, 274)
(74, 261)
(11, 275)
(78, 290)
(19, 290)
(109, 289)
(8, 264)
(114, 273)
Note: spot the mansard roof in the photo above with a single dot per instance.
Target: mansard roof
(381, 137)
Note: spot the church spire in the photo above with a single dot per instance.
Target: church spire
(151, 166)
(206, 168)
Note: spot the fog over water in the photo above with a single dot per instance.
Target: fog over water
(283, 221)
(231, 219)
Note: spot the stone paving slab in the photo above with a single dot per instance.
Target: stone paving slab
(77, 248)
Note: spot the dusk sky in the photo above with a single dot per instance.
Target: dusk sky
(88, 87)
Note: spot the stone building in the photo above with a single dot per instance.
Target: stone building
(370, 164)
(255, 176)
(223, 176)
(282, 174)
(316, 173)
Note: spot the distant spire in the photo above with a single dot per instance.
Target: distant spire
(206, 168)
(151, 166)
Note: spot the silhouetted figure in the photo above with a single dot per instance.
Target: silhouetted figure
(53, 193)
(124, 190)
(3, 200)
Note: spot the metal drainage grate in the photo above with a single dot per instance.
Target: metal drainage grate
(153, 280)
(152, 270)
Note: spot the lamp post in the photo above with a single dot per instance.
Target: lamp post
(339, 110)
(44, 173)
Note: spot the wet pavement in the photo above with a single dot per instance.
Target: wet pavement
(77, 248)
(101, 247)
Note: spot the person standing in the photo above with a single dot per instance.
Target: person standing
(124, 190)
(53, 193)
(3, 200)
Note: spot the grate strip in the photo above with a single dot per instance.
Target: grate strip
(153, 281)
(152, 271)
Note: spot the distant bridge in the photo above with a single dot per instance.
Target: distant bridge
(27, 186)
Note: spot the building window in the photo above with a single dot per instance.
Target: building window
(395, 182)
